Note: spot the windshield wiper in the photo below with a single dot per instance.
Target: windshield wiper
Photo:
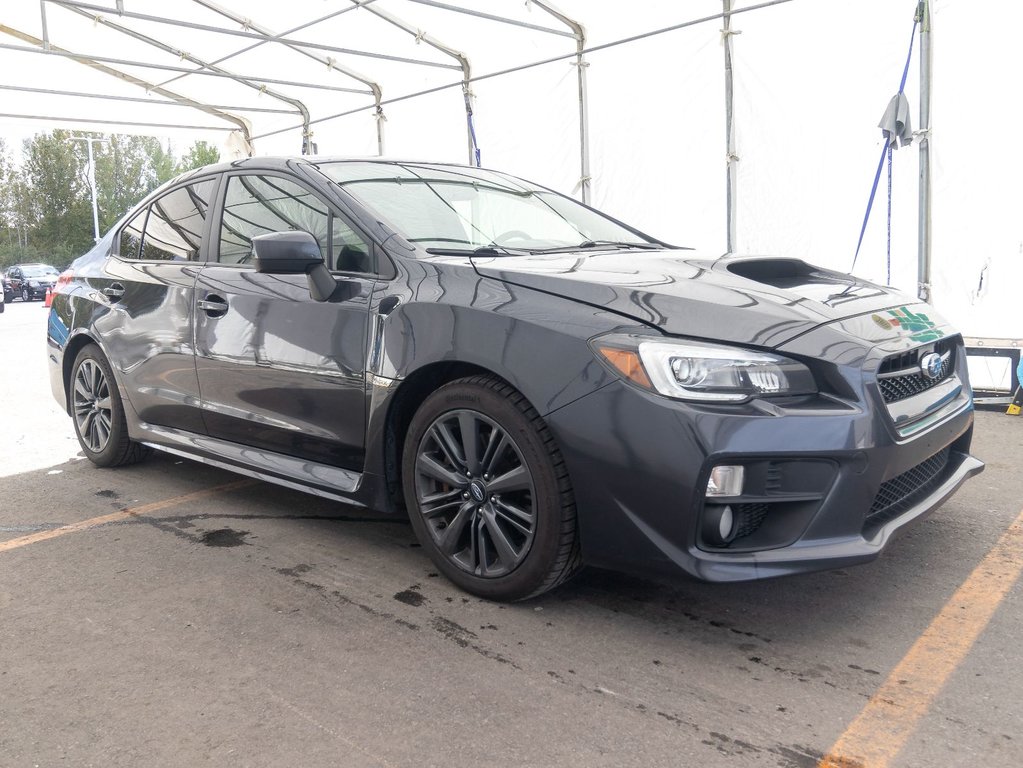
(617, 244)
(483, 250)
(591, 244)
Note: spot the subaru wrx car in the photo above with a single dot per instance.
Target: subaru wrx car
(535, 384)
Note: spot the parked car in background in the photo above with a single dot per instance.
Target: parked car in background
(3, 299)
(535, 384)
(31, 281)
(8, 294)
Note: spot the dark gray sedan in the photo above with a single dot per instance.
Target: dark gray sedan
(535, 384)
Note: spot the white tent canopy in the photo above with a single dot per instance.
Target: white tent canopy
(811, 79)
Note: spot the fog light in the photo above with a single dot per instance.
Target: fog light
(719, 525)
(725, 480)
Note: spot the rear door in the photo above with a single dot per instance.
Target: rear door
(277, 370)
(147, 296)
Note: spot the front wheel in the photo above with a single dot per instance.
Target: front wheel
(25, 294)
(488, 492)
(98, 412)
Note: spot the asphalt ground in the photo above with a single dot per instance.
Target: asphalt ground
(190, 617)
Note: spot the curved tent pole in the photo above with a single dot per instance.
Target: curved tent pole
(447, 50)
(329, 62)
(306, 132)
(241, 122)
(579, 33)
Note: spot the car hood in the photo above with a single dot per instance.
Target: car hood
(749, 300)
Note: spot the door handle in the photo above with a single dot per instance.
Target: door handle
(213, 305)
(114, 291)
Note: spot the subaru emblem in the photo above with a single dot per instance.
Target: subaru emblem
(930, 365)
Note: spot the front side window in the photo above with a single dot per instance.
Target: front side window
(257, 205)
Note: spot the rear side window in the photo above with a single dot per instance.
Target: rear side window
(257, 205)
(174, 227)
(169, 228)
(131, 236)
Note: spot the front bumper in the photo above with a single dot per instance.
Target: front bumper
(837, 479)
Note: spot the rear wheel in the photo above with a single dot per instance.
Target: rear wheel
(98, 413)
(488, 492)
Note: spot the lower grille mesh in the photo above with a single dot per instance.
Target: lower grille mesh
(897, 495)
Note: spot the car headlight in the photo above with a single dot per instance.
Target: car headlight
(694, 370)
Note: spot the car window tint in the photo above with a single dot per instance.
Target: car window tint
(131, 236)
(174, 228)
(256, 205)
(350, 251)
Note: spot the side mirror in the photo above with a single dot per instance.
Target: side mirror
(298, 253)
(285, 253)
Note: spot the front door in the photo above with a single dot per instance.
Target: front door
(277, 370)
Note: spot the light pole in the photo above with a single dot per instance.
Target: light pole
(92, 180)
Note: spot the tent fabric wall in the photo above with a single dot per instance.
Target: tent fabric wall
(812, 78)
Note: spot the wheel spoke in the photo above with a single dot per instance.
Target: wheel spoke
(103, 403)
(505, 550)
(516, 479)
(441, 434)
(470, 428)
(441, 509)
(433, 498)
(516, 524)
(511, 510)
(495, 449)
(480, 549)
(82, 386)
(453, 533)
(430, 466)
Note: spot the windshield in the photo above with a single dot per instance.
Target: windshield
(38, 271)
(468, 208)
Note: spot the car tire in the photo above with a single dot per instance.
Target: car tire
(488, 492)
(25, 294)
(98, 412)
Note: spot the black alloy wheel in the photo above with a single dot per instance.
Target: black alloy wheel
(24, 293)
(488, 491)
(98, 413)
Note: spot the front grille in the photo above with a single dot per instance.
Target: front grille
(897, 495)
(750, 517)
(900, 377)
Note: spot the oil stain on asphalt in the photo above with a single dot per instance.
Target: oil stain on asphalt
(224, 537)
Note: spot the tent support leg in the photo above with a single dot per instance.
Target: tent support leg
(924, 288)
(732, 170)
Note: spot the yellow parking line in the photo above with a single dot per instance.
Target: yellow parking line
(24, 541)
(881, 730)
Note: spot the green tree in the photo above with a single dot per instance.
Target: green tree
(127, 169)
(199, 155)
(58, 205)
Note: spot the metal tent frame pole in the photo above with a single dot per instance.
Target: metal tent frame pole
(461, 58)
(579, 33)
(240, 122)
(924, 288)
(732, 170)
(303, 111)
(330, 63)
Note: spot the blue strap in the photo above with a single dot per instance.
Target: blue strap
(472, 134)
(885, 151)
